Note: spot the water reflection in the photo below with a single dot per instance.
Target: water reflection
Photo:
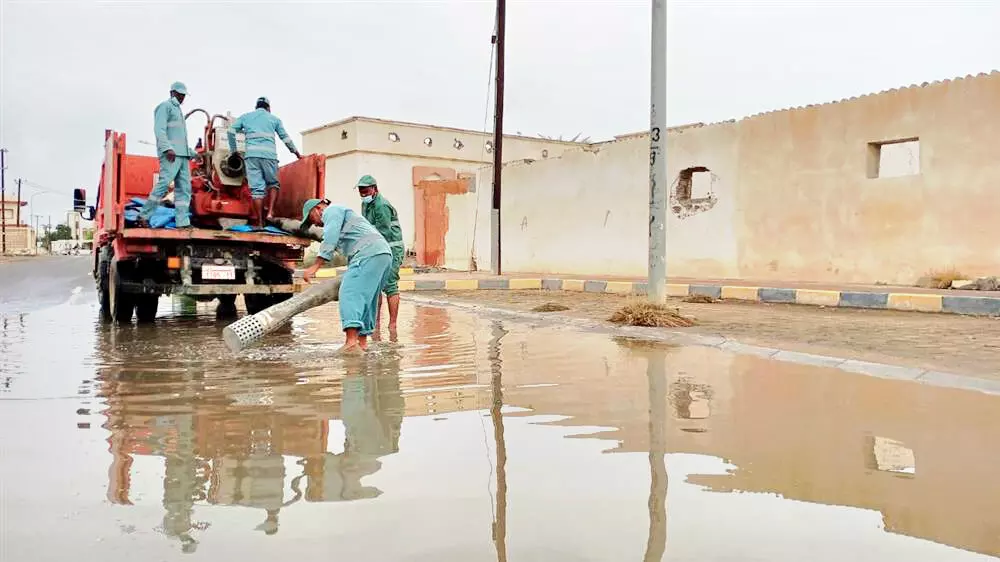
(286, 427)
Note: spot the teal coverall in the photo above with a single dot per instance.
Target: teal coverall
(171, 134)
(260, 126)
(368, 260)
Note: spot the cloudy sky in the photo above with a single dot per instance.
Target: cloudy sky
(71, 69)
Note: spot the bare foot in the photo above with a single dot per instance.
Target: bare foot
(377, 335)
(353, 349)
(363, 342)
(393, 334)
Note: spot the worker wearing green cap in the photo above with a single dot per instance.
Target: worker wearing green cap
(175, 155)
(368, 261)
(384, 218)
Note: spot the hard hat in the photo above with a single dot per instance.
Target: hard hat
(366, 181)
(179, 87)
(264, 100)
(307, 208)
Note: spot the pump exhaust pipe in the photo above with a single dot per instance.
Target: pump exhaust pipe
(251, 329)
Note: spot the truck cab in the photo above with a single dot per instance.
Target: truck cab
(133, 266)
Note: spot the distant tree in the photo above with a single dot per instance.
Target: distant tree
(88, 234)
(60, 232)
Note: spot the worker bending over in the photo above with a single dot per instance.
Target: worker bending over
(175, 155)
(260, 126)
(368, 261)
(384, 218)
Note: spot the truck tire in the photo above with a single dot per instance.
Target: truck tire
(103, 272)
(145, 307)
(256, 303)
(122, 304)
(227, 306)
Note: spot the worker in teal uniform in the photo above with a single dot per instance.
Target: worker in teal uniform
(260, 126)
(384, 218)
(368, 261)
(175, 156)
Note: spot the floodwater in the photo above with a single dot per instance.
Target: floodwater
(469, 439)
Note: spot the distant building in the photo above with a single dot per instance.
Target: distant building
(18, 237)
(417, 166)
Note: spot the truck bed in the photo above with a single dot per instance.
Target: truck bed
(214, 235)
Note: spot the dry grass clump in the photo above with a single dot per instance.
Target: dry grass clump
(942, 278)
(700, 299)
(650, 315)
(550, 307)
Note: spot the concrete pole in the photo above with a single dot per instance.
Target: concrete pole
(658, 183)
(495, 266)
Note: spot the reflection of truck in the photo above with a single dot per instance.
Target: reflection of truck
(133, 266)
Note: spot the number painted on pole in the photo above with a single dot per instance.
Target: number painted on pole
(655, 134)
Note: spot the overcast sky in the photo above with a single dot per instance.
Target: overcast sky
(71, 69)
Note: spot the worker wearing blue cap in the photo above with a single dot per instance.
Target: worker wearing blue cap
(368, 261)
(175, 156)
(260, 126)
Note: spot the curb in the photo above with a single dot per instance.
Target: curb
(915, 302)
(878, 370)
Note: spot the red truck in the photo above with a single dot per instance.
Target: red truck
(134, 266)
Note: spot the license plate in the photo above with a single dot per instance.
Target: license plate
(218, 272)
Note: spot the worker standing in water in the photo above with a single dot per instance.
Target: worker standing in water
(175, 156)
(368, 261)
(260, 126)
(384, 218)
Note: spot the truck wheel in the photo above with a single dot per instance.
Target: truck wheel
(122, 304)
(145, 307)
(256, 303)
(103, 282)
(227, 306)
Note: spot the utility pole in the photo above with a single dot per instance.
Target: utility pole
(48, 234)
(498, 137)
(18, 223)
(3, 202)
(658, 184)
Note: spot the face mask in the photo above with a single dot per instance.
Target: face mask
(368, 198)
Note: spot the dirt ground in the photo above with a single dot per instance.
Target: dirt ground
(946, 342)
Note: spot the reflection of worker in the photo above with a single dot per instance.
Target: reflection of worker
(373, 415)
(260, 126)
(368, 261)
(384, 218)
(175, 156)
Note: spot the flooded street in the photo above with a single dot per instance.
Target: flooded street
(470, 439)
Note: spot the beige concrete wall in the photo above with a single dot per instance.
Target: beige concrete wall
(791, 195)
(810, 211)
(367, 149)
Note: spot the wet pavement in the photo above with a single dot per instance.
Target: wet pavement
(469, 439)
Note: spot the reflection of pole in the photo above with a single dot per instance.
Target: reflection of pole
(656, 373)
(496, 383)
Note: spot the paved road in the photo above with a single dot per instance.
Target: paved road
(33, 283)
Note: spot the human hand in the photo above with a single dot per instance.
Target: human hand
(171, 155)
(310, 273)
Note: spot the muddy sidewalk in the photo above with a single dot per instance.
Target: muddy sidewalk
(951, 343)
